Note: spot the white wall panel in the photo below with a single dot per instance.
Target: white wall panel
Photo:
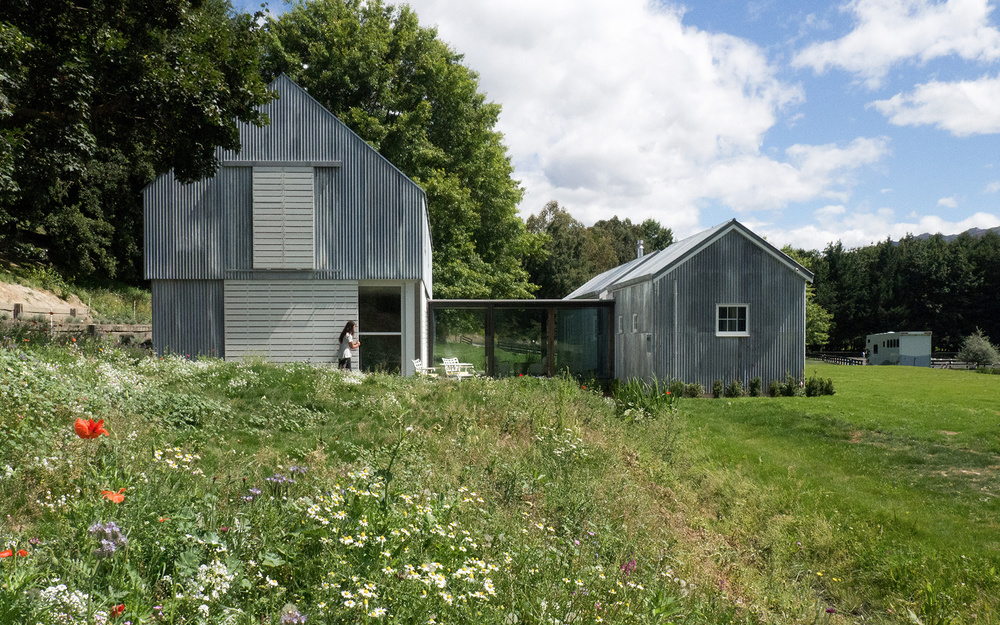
(293, 320)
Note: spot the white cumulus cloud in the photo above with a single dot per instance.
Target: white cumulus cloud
(859, 228)
(963, 108)
(622, 108)
(888, 32)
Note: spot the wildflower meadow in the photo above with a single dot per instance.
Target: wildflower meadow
(145, 490)
(135, 489)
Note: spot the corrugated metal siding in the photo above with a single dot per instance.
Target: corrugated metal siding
(283, 218)
(188, 317)
(287, 321)
(371, 220)
(634, 348)
(731, 270)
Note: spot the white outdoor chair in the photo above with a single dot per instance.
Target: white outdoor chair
(454, 370)
(420, 369)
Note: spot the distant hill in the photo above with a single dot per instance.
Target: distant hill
(976, 232)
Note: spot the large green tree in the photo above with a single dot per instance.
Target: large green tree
(408, 94)
(98, 97)
(624, 236)
(571, 253)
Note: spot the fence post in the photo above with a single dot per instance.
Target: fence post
(18, 311)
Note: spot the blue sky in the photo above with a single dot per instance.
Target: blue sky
(809, 122)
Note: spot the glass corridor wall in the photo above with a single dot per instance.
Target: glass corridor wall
(526, 337)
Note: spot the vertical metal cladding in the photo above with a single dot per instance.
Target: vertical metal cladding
(731, 270)
(370, 220)
(188, 317)
(634, 345)
(183, 229)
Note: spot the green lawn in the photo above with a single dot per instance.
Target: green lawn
(883, 497)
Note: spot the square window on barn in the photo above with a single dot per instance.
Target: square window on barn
(283, 218)
(731, 320)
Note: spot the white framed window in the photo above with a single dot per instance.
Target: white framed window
(731, 320)
(621, 327)
(635, 322)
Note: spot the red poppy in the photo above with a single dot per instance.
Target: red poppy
(111, 495)
(22, 553)
(6, 553)
(90, 429)
(116, 611)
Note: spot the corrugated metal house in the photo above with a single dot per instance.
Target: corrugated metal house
(910, 349)
(723, 304)
(305, 228)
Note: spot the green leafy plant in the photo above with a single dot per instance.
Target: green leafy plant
(694, 389)
(734, 389)
(977, 349)
(638, 400)
(718, 388)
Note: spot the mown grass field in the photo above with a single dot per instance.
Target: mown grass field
(257, 493)
(882, 497)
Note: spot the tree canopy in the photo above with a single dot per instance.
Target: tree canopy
(406, 93)
(97, 99)
(572, 253)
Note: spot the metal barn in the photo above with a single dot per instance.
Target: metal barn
(723, 304)
(304, 229)
(910, 349)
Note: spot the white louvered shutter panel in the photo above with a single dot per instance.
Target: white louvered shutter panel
(283, 218)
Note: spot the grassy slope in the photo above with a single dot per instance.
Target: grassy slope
(882, 497)
(539, 473)
(775, 510)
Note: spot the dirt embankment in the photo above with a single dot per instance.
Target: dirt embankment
(39, 303)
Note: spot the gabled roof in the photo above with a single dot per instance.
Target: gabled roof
(667, 259)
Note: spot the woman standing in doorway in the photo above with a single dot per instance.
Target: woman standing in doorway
(347, 343)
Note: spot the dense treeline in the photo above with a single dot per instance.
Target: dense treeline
(950, 288)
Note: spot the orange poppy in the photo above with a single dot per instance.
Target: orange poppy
(22, 553)
(111, 495)
(90, 429)
(6, 553)
(116, 611)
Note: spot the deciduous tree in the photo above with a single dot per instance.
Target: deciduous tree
(100, 97)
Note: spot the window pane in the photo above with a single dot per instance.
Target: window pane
(380, 353)
(521, 344)
(379, 309)
(582, 342)
(460, 334)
